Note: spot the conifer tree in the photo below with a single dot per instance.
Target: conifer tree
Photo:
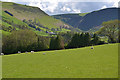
(95, 40)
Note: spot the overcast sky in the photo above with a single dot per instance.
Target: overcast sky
(53, 7)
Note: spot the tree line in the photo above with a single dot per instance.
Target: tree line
(83, 40)
(27, 40)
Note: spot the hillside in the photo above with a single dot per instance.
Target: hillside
(70, 19)
(17, 16)
(96, 18)
(90, 20)
(99, 62)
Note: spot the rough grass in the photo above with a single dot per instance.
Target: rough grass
(49, 22)
(5, 32)
(7, 17)
(41, 33)
(101, 62)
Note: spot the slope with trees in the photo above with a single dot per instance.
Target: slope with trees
(111, 30)
(18, 16)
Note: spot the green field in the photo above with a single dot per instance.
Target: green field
(100, 62)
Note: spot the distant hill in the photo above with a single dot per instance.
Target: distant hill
(70, 19)
(18, 16)
(90, 20)
(96, 18)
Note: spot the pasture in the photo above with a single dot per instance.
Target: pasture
(100, 62)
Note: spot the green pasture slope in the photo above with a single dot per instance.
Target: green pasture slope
(100, 62)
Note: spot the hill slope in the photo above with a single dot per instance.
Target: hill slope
(99, 62)
(70, 19)
(30, 17)
(96, 18)
(91, 20)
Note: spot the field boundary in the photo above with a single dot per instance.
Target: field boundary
(60, 79)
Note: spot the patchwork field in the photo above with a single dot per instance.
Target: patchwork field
(100, 62)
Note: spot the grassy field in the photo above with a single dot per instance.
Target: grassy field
(100, 62)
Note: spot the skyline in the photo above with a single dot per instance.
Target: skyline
(55, 7)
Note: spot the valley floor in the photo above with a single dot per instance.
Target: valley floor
(100, 62)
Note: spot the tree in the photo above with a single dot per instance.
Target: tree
(110, 29)
(43, 43)
(74, 43)
(56, 43)
(87, 39)
(59, 42)
(24, 20)
(52, 43)
(95, 40)
(67, 36)
(22, 40)
(79, 40)
(119, 36)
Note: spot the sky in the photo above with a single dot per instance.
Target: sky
(53, 7)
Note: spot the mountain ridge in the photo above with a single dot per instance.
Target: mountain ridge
(91, 19)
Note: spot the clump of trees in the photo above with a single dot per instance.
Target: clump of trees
(84, 39)
(111, 30)
(23, 40)
(27, 40)
(119, 36)
(95, 39)
(67, 36)
(56, 43)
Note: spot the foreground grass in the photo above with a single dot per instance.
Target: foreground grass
(101, 62)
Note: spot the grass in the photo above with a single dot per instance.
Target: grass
(11, 19)
(5, 32)
(43, 29)
(5, 24)
(64, 30)
(101, 62)
(41, 33)
(83, 14)
(49, 22)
